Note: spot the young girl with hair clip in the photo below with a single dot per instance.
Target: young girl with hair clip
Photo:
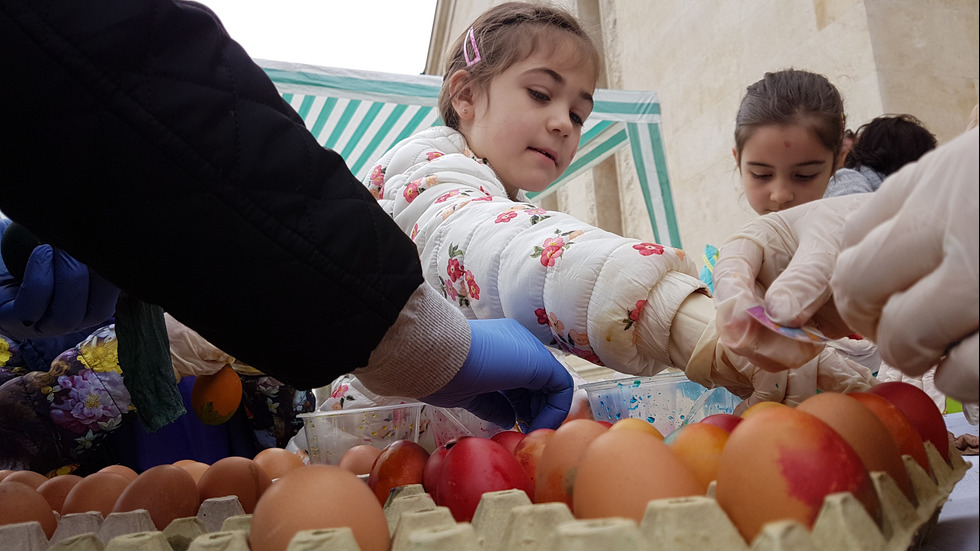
(517, 89)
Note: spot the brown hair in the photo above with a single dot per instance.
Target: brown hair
(504, 35)
(889, 142)
(792, 96)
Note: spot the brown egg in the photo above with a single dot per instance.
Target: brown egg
(341, 498)
(95, 492)
(130, 474)
(237, 476)
(165, 491)
(622, 470)
(558, 458)
(30, 478)
(21, 503)
(359, 459)
(277, 461)
(56, 489)
(194, 468)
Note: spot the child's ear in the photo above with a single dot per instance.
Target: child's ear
(735, 155)
(462, 94)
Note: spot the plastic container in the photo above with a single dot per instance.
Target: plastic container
(441, 425)
(331, 433)
(667, 400)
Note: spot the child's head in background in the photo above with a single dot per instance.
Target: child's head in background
(889, 142)
(518, 85)
(788, 134)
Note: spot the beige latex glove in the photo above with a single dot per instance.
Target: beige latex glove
(190, 353)
(695, 348)
(908, 277)
(799, 246)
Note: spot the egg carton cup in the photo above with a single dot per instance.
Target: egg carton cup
(507, 520)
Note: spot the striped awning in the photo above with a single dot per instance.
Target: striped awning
(361, 114)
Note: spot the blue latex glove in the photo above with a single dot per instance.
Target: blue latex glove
(58, 295)
(508, 375)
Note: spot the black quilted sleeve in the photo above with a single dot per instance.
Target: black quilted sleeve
(138, 136)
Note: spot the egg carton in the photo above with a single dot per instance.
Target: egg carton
(507, 520)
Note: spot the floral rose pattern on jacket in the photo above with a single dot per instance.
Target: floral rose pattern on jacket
(460, 285)
(496, 255)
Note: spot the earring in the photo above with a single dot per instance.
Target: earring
(465, 111)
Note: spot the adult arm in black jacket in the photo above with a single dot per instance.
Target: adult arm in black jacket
(139, 137)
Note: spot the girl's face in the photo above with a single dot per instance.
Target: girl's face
(783, 166)
(527, 124)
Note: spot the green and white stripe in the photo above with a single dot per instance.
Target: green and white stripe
(361, 114)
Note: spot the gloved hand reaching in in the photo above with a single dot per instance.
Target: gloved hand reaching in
(508, 376)
(908, 276)
(55, 295)
(830, 371)
(908, 282)
(782, 261)
(695, 348)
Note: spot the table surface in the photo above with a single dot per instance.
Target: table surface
(958, 526)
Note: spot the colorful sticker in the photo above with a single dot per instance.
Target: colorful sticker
(806, 334)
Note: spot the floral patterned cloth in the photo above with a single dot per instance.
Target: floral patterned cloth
(273, 407)
(50, 420)
(589, 292)
(55, 421)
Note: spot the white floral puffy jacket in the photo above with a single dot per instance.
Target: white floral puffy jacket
(598, 295)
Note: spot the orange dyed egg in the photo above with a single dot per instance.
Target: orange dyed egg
(864, 432)
(699, 446)
(215, 398)
(903, 433)
(759, 406)
(631, 423)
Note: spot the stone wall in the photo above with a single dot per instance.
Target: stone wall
(886, 56)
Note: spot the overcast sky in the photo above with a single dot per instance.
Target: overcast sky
(376, 35)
